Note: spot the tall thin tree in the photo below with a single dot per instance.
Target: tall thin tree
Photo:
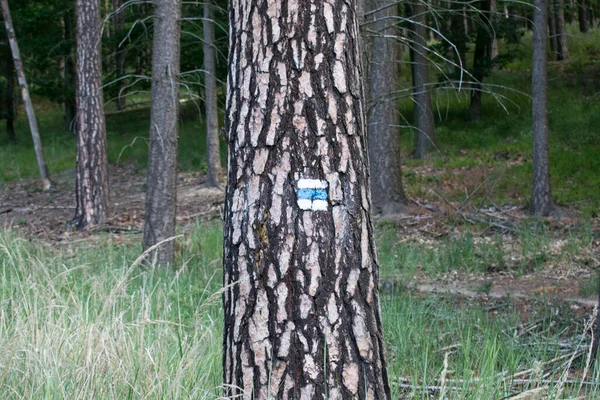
(9, 95)
(35, 133)
(301, 296)
(561, 31)
(92, 190)
(161, 182)
(583, 16)
(541, 203)
(423, 111)
(213, 151)
(383, 116)
(481, 58)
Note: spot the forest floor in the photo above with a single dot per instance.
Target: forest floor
(492, 254)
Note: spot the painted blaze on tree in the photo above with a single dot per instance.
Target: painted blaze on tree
(301, 304)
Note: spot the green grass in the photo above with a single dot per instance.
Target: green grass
(87, 322)
(127, 138)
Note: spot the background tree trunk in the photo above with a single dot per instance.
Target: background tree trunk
(583, 17)
(493, 20)
(541, 200)
(481, 58)
(383, 117)
(561, 31)
(161, 184)
(458, 37)
(552, 29)
(119, 27)
(35, 133)
(213, 150)
(301, 302)
(92, 190)
(423, 112)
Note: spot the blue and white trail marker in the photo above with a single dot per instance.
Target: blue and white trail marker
(312, 194)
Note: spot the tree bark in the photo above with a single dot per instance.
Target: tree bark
(213, 151)
(458, 37)
(119, 26)
(35, 134)
(383, 117)
(423, 111)
(583, 17)
(92, 190)
(561, 31)
(301, 298)
(541, 199)
(161, 184)
(481, 59)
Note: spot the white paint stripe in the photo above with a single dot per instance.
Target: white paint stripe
(312, 184)
(319, 205)
(304, 204)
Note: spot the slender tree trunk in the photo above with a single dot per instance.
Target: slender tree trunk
(301, 302)
(35, 134)
(119, 27)
(92, 190)
(70, 83)
(383, 117)
(480, 59)
(541, 199)
(552, 29)
(213, 151)
(161, 184)
(459, 38)
(9, 99)
(583, 17)
(561, 31)
(493, 20)
(423, 112)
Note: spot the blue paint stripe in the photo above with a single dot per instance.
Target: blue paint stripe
(312, 194)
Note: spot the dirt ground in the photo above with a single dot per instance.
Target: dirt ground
(45, 217)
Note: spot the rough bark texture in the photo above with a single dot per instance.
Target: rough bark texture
(481, 58)
(120, 52)
(213, 151)
(383, 116)
(561, 32)
(35, 134)
(583, 17)
(92, 191)
(301, 304)
(541, 200)
(161, 184)
(423, 111)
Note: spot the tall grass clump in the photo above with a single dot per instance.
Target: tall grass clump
(87, 323)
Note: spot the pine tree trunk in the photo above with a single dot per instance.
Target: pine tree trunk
(301, 303)
(92, 190)
(119, 27)
(35, 133)
(383, 117)
(583, 17)
(213, 151)
(481, 58)
(561, 31)
(423, 111)
(161, 184)
(459, 38)
(541, 199)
